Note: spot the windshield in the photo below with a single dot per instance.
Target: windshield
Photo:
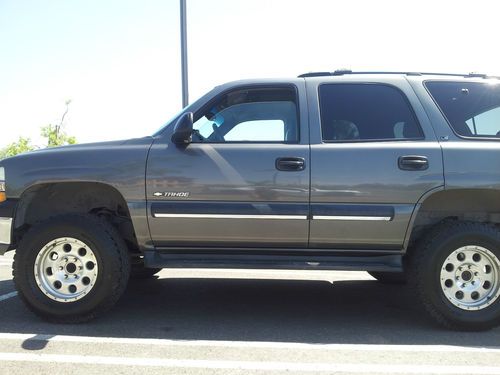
(189, 108)
(164, 126)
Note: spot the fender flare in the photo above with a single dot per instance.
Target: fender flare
(414, 215)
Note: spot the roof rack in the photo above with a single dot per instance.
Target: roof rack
(342, 72)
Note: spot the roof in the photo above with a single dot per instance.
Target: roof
(350, 72)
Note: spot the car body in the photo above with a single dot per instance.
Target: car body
(358, 191)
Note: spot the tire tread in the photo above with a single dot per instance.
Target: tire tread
(417, 263)
(119, 248)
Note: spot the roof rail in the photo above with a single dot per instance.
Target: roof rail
(346, 72)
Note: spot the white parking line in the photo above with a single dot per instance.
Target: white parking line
(249, 365)
(7, 296)
(250, 344)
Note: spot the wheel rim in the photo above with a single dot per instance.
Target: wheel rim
(470, 278)
(66, 269)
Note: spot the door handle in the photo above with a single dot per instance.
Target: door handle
(413, 163)
(290, 164)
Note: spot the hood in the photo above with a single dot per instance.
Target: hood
(96, 162)
(77, 147)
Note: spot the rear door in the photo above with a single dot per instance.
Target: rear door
(243, 181)
(373, 156)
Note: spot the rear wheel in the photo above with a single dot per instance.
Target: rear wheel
(71, 268)
(456, 274)
(389, 277)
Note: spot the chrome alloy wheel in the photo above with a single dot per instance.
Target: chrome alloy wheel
(470, 278)
(66, 269)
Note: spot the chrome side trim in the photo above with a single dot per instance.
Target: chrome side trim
(5, 230)
(356, 218)
(230, 216)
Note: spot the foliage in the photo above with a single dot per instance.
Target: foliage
(53, 134)
(21, 145)
(56, 136)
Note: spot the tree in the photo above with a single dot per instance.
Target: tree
(55, 134)
(21, 145)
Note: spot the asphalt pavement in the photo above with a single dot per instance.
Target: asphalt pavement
(245, 322)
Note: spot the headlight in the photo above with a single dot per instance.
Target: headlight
(2, 185)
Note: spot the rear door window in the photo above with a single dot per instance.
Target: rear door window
(471, 108)
(366, 112)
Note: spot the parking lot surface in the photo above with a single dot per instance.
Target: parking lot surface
(240, 322)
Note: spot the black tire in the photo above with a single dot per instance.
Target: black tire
(389, 277)
(427, 261)
(112, 260)
(139, 272)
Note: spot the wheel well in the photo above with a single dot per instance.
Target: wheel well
(41, 202)
(478, 205)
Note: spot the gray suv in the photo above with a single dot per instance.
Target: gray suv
(397, 174)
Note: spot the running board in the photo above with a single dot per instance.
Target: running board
(341, 262)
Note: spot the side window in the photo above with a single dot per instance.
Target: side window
(363, 112)
(251, 115)
(257, 130)
(486, 124)
(472, 109)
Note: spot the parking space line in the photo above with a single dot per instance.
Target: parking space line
(7, 296)
(250, 365)
(250, 344)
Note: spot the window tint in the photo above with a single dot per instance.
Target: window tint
(357, 112)
(472, 109)
(254, 115)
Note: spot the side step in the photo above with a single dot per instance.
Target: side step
(341, 262)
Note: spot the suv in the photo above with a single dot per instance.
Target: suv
(397, 174)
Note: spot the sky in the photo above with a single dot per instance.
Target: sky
(119, 61)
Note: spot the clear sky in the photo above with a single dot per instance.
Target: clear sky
(118, 61)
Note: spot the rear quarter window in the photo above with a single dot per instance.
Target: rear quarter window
(471, 108)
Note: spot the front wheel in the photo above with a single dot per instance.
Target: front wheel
(71, 268)
(456, 274)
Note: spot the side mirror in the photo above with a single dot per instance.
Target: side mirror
(183, 129)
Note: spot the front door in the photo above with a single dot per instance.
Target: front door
(373, 156)
(244, 179)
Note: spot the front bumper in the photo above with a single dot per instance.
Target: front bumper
(7, 210)
(5, 234)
